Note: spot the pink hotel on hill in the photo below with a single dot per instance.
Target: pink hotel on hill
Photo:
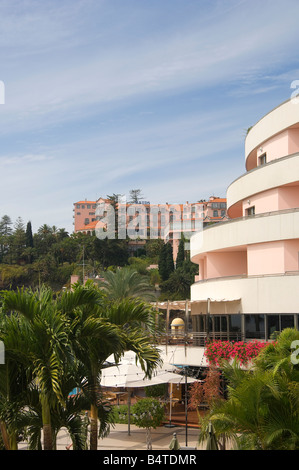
(86, 219)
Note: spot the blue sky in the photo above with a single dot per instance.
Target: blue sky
(102, 96)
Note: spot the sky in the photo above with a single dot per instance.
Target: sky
(105, 96)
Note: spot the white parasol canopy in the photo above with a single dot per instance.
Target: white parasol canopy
(129, 375)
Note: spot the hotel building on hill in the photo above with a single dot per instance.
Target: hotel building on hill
(167, 228)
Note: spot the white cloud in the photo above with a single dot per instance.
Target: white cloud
(87, 81)
(230, 49)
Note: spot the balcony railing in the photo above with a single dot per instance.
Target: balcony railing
(245, 276)
(256, 216)
(198, 339)
(272, 162)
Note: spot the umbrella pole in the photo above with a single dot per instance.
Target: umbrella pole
(169, 425)
(129, 412)
(186, 407)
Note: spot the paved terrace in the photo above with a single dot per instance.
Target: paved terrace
(119, 439)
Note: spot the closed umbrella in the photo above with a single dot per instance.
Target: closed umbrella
(174, 444)
(211, 441)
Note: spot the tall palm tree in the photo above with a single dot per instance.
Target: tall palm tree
(91, 339)
(105, 329)
(48, 349)
(126, 283)
(58, 334)
(14, 377)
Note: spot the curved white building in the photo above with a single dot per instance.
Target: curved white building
(248, 282)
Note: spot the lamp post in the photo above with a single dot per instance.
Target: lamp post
(186, 407)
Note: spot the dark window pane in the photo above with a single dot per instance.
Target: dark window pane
(216, 323)
(235, 323)
(254, 326)
(287, 321)
(224, 323)
(273, 324)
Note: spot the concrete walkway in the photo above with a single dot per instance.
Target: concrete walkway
(119, 439)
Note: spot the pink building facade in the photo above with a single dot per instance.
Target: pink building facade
(248, 278)
(84, 218)
(165, 221)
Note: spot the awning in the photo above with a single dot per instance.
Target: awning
(218, 306)
(213, 305)
(173, 305)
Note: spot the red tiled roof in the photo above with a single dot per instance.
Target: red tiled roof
(85, 202)
(91, 226)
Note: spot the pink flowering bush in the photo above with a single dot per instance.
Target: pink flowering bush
(243, 351)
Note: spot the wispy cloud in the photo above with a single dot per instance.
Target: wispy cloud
(21, 159)
(69, 83)
(101, 94)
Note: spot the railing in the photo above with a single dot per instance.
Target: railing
(245, 276)
(255, 216)
(198, 339)
(277, 160)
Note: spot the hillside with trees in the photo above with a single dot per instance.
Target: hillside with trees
(51, 255)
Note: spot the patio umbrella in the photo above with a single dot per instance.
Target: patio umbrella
(211, 441)
(130, 375)
(174, 444)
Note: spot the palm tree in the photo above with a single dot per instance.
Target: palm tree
(110, 328)
(126, 283)
(92, 338)
(14, 378)
(44, 230)
(46, 344)
(54, 337)
(277, 356)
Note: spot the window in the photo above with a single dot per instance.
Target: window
(250, 211)
(88, 206)
(254, 326)
(222, 213)
(235, 323)
(263, 159)
(279, 322)
(86, 221)
(286, 321)
(215, 213)
(78, 206)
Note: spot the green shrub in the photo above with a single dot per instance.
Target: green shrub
(148, 413)
(120, 414)
(155, 391)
